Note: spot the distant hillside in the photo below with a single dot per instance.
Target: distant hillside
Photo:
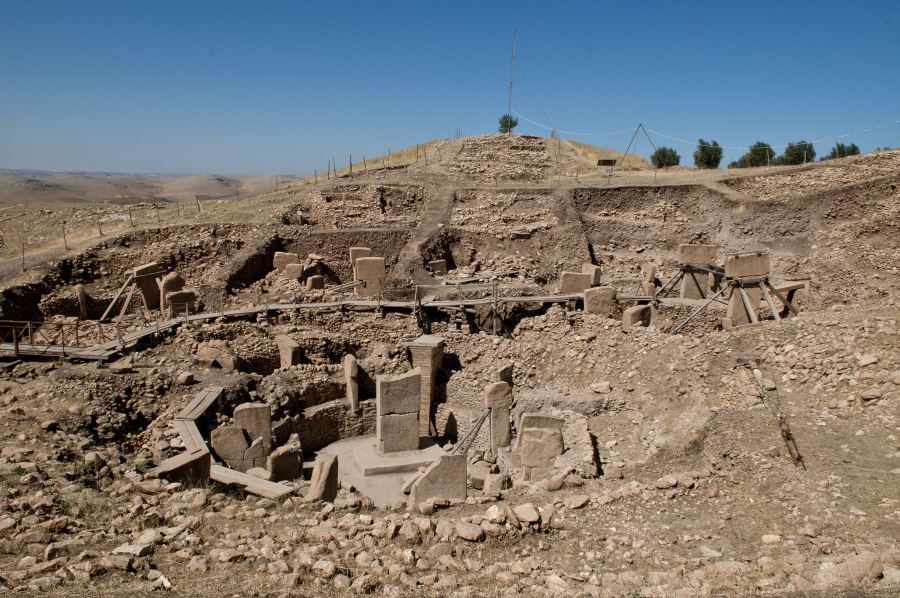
(41, 187)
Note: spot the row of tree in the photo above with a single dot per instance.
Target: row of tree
(709, 155)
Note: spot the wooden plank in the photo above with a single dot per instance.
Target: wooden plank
(201, 401)
(225, 475)
(116, 298)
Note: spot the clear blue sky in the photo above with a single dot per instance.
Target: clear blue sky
(242, 87)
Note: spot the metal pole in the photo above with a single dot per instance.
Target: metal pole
(130, 219)
(23, 255)
(512, 70)
(65, 242)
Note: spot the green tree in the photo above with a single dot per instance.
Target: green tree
(797, 152)
(508, 122)
(842, 151)
(708, 154)
(665, 156)
(759, 154)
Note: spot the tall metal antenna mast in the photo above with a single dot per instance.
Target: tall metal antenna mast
(512, 70)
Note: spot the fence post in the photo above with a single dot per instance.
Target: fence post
(30, 334)
(15, 336)
(130, 218)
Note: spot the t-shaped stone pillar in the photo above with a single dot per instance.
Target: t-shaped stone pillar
(427, 353)
(498, 398)
(145, 279)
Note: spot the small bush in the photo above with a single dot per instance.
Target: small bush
(708, 154)
(759, 154)
(665, 156)
(508, 122)
(842, 151)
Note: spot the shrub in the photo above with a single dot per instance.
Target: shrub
(508, 122)
(759, 154)
(708, 154)
(842, 151)
(798, 152)
(665, 156)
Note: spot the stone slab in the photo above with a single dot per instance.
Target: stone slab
(444, 478)
(697, 254)
(370, 268)
(753, 264)
(256, 419)
(188, 468)
(399, 393)
(324, 481)
(253, 485)
(397, 432)
(594, 271)
(498, 395)
(539, 420)
(539, 447)
(601, 301)
(280, 259)
(374, 463)
(637, 315)
(284, 462)
(574, 282)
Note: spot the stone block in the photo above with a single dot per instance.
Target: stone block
(753, 264)
(188, 468)
(539, 447)
(398, 394)
(229, 443)
(539, 420)
(179, 302)
(439, 267)
(427, 352)
(736, 314)
(256, 419)
(282, 258)
(638, 315)
(505, 374)
(146, 284)
(574, 282)
(170, 283)
(351, 379)
(255, 455)
(397, 433)
(289, 351)
(444, 478)
(704, 255)
(81, 297)
(355, 254)
(594, 271)
(371, 271)
(498, 394)
(315, 282)
(284, 462)
(601, 301)
(324, 481)
(500, 428)
(292, 271)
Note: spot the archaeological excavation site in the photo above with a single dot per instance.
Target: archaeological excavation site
(483, 367)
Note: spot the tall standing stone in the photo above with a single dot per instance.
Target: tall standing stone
(371, 272)
(324, 481)
(351, 378)
(397, 411)
(145, 279)
(498, 398)
(256, 419)
(289, 351)
(427, 353)
(81, 296)
(355, 254)
(694, 285)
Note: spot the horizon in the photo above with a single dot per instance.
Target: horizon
(280, 89)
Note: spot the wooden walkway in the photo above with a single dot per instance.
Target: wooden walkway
(105, 350)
